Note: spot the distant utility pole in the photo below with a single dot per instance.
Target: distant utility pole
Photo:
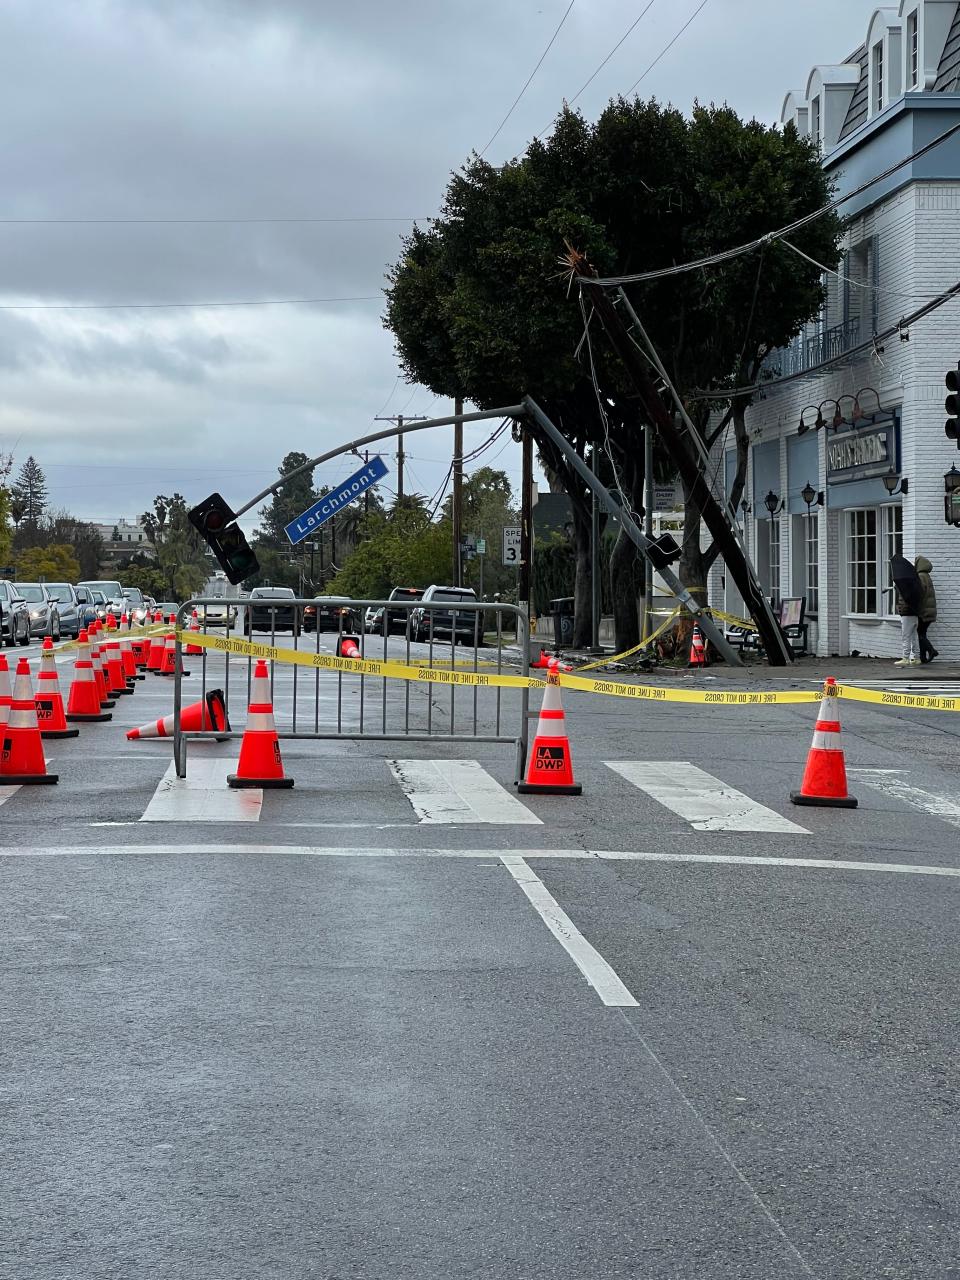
(400, 420)
(457, 506)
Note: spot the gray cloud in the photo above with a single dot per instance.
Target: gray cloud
(244, 108)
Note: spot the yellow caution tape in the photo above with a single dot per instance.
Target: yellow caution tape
(391, 669)
(914, 701)
(732, 618)
(618, 657)
(135, 633)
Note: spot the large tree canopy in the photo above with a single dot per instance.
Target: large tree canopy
(481, 307)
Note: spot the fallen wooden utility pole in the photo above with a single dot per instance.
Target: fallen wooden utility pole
(689, 467)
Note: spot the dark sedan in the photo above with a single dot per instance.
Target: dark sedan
(271, 609)
(331, 613)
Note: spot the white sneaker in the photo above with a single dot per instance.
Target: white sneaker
(902, 662)
(914, 662)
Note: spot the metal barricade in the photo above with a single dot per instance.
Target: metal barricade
(317, 704)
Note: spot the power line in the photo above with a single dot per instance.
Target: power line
(727, 254)
(857, 284)
(183, 222)
(529, 79)
(590, 79)
(666, 49)
(170, 306)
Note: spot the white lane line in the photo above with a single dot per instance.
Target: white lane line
(6, 793)
(707, 803)
(891, 783)
(202, 796)
(446, 791)
(588, 960)
(584, 855)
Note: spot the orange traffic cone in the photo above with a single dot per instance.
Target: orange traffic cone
(260, 762)
(84, 700)
(22, 761)
(698, 652)
(116, 680)
(6, 694)
(193, 649)
(98, 659)
(157, 647)
(825, 777)
(168, 662)
(49, 699)
(349, 647)
(208, 713)
(551, 765)
(111, 622)
(127, 660)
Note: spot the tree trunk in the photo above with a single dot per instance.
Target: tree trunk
(626, 584)
(582, 592)
(693, 566)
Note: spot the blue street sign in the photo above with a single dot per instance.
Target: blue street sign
(326, 507)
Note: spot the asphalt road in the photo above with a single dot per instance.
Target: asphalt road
(401, 1022)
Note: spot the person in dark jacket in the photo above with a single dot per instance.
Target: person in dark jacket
(909, 593)
(927, 611)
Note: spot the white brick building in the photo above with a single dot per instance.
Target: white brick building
(898, 91)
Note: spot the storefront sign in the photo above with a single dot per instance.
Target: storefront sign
(860, 455)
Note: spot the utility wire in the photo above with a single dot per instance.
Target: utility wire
(184, 222)
(858, 284)
(864, 347)
(529, 79)
(727, 254)
(666, 49)
(590, 79)
(170, 306)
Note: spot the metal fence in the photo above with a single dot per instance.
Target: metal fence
(315, 704)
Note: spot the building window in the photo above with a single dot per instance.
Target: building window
(892, 520)
(874, 537)
(878, 77)
(862, 556)
(773, 584)
(811, 561)
(815, 119)
(913, 51)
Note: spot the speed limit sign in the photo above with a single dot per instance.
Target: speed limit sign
(511, 545)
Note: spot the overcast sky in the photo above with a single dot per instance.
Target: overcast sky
(354, 112)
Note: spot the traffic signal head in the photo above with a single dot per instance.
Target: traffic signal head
(663, 551)
(951, 427)
(214, 519)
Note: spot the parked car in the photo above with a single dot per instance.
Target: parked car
(167, 607)
(373, 620)
(136, 605)
(68, 606)
(113, 594)
(44, 615)
(221, 614)
(268, 609)
(331, 613)
(396, 619)
(100, 603)
(14, 615)
(87, 605)
(443, 623)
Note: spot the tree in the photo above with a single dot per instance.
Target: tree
(150, 580)
(29, 493)
(477, 308)
(402, 549)
(181, 553)
(288, 502)
(487, 507)
(55, 563)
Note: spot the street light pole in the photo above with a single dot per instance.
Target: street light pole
(456, 512)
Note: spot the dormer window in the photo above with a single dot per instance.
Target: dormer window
(878, 76)
(913, 51)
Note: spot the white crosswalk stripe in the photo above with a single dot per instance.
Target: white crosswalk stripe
(703, 800)
(202, 796)
(448, 791)
(890, 782)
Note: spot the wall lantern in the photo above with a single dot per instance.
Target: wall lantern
(890, 482)
(773, 504)
(810, 495)
(951, 499)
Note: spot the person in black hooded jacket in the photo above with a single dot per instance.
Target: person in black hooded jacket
(927, 610)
